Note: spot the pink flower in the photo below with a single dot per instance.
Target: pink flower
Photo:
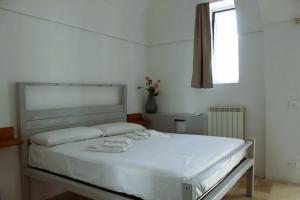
(155, 86)
(147, 78)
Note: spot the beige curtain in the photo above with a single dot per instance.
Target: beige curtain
(202, 72)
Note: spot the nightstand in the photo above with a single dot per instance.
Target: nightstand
(138, 118)
(179, 123)
(7, 138)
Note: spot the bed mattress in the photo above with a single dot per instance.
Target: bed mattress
(152, 169)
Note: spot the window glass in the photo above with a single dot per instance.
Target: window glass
(225, 63)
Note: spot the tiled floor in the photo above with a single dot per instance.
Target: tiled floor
(264, 190)
(68, 196)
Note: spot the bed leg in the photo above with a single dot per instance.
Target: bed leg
(187, 190)
(250, 172)
(26, 190)
(250, 182)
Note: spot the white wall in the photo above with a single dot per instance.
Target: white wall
(277, 11)
(282, 61)
(47, 41)
(122, 19)
(170, 60)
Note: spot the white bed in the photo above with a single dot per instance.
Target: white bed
(179, 167)
(152, 169)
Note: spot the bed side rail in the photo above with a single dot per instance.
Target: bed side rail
(219, 191)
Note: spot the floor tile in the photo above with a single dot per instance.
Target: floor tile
(265, 190)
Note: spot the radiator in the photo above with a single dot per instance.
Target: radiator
(226, 121)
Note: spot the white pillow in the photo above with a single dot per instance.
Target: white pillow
(119, 128)
(62, 136)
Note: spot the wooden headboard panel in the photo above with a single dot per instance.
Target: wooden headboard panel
(31, 122)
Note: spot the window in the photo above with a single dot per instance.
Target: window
(225, 63)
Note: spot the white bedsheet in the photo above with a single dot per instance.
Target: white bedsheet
(152, 169)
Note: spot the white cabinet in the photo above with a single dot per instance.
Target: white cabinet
(182, 122)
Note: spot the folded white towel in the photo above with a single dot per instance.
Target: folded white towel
(142, 135)
(115, 145)
(111, 145)
(135, 136)
(101, 148)
(117, 142)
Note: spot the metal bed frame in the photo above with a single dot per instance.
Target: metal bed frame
(35, 121)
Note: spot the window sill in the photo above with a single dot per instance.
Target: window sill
(223, 84)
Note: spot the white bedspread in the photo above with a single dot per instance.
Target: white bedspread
(152, 169)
